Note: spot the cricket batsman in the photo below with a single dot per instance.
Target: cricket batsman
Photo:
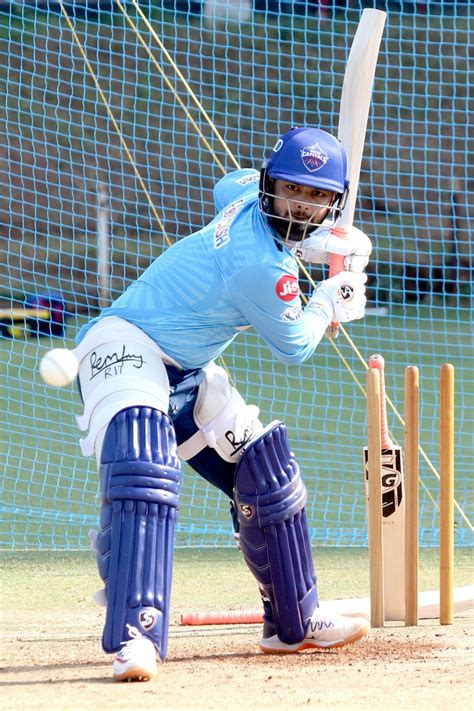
(153, 397)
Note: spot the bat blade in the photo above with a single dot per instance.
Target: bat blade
(354, 113)
(356, 97)
(393, 509)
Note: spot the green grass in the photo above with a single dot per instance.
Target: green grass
(211, 579)
(50, 491)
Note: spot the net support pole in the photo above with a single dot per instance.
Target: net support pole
(103, 244)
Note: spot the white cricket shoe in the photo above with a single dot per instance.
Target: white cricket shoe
(326, 630)
(136, 660)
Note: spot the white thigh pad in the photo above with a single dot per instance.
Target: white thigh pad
(225, 422)
(119, 367)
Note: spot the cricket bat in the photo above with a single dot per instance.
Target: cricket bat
(393, 509)
(354, 112)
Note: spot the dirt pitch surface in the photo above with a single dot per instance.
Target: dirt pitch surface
(58, 664)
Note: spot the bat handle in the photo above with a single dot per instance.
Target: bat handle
(377, 361)
(336, 265)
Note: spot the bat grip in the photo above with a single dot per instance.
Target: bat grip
(336, 265)
(376, 361)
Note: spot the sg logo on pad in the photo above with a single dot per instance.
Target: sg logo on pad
(247, 510)
(147, 617)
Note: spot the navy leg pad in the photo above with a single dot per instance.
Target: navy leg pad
(140, 479)
(270, 498)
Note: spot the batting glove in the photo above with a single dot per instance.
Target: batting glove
(341, 298)
(350, 242)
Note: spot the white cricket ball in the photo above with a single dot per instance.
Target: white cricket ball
(59, 367)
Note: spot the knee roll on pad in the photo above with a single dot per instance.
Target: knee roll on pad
(225, 423)
(140, 480)
(270, 498)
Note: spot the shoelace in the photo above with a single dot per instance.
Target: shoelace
(133, 633)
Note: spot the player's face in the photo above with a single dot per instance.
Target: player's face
(301, 203)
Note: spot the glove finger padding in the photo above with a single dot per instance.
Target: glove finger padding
(342, 297)
(355, 263)
(347, 241)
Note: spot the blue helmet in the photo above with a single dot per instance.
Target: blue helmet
(305, 156)
(309, 156)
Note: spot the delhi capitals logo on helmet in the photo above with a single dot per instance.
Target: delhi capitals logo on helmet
(313, 157)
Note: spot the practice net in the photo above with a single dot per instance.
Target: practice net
(118, 119)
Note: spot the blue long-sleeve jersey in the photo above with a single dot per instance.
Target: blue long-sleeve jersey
(234, 273)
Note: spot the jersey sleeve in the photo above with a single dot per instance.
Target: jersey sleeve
(269, 299)
(234, 185)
